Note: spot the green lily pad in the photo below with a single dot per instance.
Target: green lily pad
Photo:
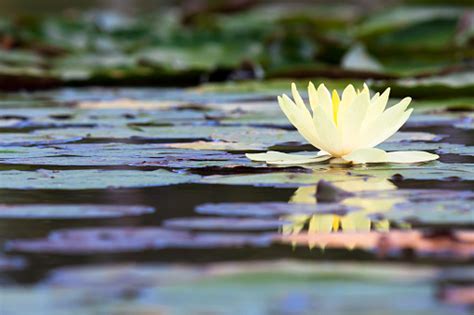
(440, 212)
(109, 154)
(460, 150)
(453, 85)
(70, 211)
(269, 286)
(429, 171)
(419, 195)
(130, 239)
(426, 105)
(90, 179)
(12, 263)
(224, 224)
(438, 147)
(271, 209)
(265, 136)
(465, 125)
(35, 118)
(19, 139)
(283, 179)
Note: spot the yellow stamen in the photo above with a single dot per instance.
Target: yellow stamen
(336, 222)
(335, 104)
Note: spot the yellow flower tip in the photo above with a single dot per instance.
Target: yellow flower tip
(335, 97)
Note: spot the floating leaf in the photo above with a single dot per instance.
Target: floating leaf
(107, 154)
(460, 150)
(116, 240)
(19, 139)
(90, 179)
(286, 179)
(440, 212)
(70, 211)
(218, 223)
(430, 171)
(452, 85)
(11, 263)
(277, 286)
(270, 209)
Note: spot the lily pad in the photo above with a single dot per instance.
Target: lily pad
(219, 223)
(100, 154)
(181, 289)
(430, 171)
(460, 150)
(440, 212)
(116, 240)
(438, 147)
(12, 263)
(286, 179)
(90, 179)
(19, 139)
(271, 209)
(265, 136)
(452, 85)
(420, 195)
(70, 211)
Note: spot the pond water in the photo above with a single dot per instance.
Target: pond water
(140, 201)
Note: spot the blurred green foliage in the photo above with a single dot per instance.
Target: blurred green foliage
(177, 46)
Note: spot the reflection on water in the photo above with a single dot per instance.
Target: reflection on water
(362, 220)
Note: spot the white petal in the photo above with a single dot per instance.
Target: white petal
(377, 106)
(329, 135)
(367, 155)
(313, 96)
(297, 97)
(387, 124)
(366, 89)
(380, 103)
(410, 157)
(350, 121)
(348, 96)
(300, 119)
(280, 158)
(324, 100)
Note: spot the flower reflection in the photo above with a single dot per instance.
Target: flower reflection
(355, 221)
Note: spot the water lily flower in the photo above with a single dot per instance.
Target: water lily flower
(345, 128)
